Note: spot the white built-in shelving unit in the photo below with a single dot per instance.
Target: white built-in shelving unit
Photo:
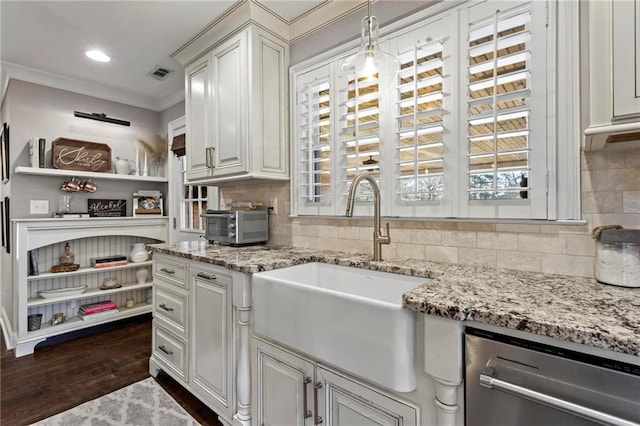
(90, 237)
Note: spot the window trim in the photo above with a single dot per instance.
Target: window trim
(563, 124)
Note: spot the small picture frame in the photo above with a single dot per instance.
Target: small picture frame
(4, 152)
(147, 205)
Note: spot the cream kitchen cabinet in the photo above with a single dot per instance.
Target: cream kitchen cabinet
(626, 58)
(170, 317)
(44, 240)
(200, 333)
(236, 109)
(211, 340)
(198, 86)
(614, 80)
(293, 390)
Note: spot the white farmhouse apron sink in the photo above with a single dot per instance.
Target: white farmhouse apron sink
(348, 317)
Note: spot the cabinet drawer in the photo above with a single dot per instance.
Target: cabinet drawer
(170, 307)
(174, 271)
(171, 350)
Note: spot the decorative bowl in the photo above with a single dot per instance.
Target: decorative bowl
(61, 292)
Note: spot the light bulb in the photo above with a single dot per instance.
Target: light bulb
(370, 62)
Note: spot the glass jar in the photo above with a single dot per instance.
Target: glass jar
(67, 257)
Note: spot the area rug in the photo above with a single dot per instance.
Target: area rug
(144, 403)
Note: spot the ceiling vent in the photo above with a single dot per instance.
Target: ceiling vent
(160, 73)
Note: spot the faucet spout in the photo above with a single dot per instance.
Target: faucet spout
(378, 237)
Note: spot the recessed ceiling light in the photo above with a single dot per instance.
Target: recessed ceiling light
(97, 55)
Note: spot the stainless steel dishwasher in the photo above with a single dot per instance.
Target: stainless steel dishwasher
(510, 381)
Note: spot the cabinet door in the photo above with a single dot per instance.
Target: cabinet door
(347, 402)
(230, 103)
(626, 58)
(211, 341)
(282, 386)
(197, 111)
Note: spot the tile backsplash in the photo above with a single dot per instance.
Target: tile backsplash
(610, 195)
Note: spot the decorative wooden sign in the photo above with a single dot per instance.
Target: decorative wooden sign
(71, 154)
(107, 208)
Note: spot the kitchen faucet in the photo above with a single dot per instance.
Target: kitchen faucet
(378, 237)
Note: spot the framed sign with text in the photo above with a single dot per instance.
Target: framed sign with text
(71, 154)
(106, 208)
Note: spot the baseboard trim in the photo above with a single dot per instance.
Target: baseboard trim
(7, 332)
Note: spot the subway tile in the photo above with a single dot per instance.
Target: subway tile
(517, 227)
(581, 266)
(581, 245)
(554, 228)
(599, 160)
(480, 257)
(602, 202)
(498, 240)
(631, 158)
(542, 243)
(476, 226)
(400, 235)
(628, 220)
(519, 261)
(426, 236)
(631, 202)
(585, 181)
(411, 251)
(348, 232)
(441, 254)
(459, 238)
(615, 180)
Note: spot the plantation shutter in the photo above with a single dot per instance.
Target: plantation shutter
(423, 120)
(313, 130)
(360, 133)
(505, 159)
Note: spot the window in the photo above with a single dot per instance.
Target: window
(467, 130)
(193, 203)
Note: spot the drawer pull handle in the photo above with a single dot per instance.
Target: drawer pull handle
(305, 410)
(206, 276)
(166, 308)
(317, 386)
(168, 271)
(165, 350)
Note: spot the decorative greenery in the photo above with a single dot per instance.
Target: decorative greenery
(155, 148)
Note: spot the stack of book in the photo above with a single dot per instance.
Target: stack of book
(108, 261)
(97, 310)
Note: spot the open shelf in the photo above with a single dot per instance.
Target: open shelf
(88, 270)
(83, 174)
(92, 292)
(76, 323)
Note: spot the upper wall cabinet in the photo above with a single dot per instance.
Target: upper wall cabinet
(236, 109)
(614, 79)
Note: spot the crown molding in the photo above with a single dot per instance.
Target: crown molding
(57, 81)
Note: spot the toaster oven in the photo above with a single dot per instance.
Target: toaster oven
(237, 228)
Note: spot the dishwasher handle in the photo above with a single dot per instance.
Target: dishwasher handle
(488, 380)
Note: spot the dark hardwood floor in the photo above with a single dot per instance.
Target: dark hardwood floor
(82, 367)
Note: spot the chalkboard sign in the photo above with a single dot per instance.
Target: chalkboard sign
(70, 154)
(107, 208)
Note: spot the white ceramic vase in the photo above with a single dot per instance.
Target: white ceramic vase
(141, 275)
(138, 253)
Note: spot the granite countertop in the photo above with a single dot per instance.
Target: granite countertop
(574, 309)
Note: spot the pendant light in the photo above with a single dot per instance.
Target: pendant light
(370, 62)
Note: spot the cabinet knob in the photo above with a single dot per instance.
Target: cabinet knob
(168, 271)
